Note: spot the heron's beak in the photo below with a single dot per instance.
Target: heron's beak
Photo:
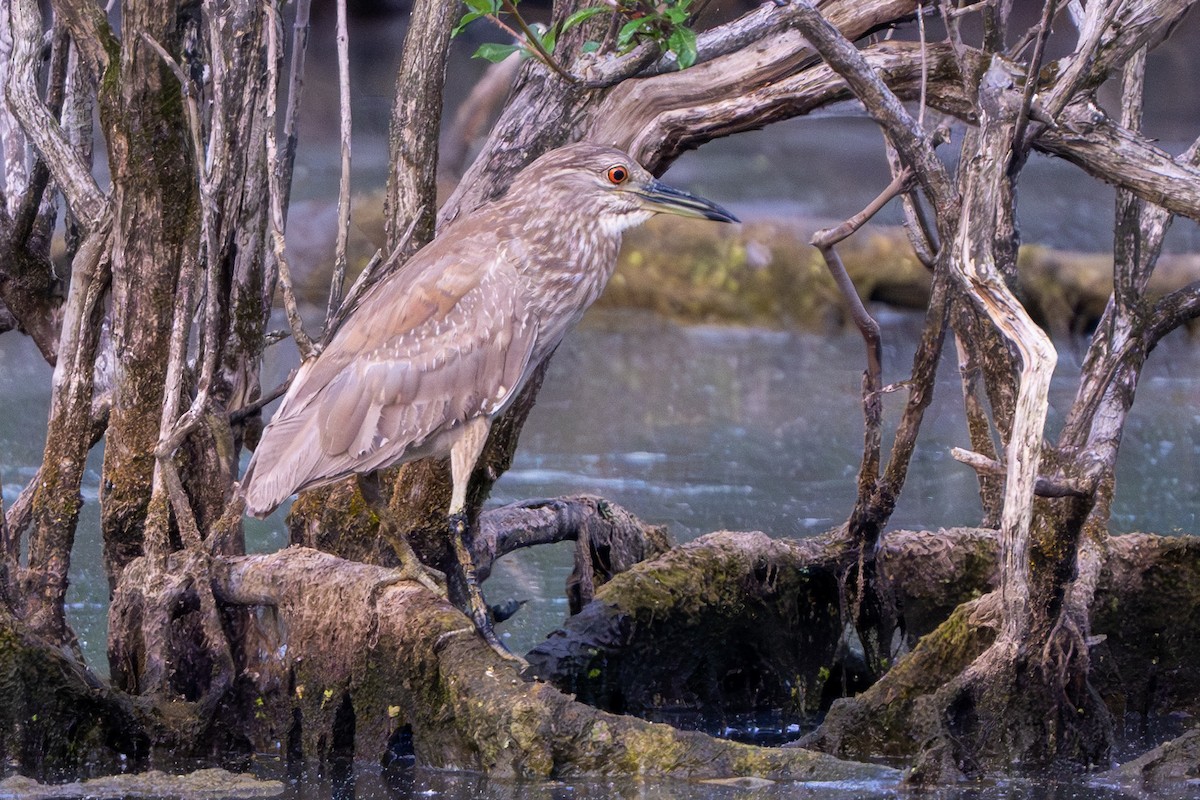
(658, 196)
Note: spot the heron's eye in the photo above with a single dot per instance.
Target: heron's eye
(617, 175)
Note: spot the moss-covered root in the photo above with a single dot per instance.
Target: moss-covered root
(55, 718)
(732, 622)
(897, 715)
(387, 663)
(740, 622)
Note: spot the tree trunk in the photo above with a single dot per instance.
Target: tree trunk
(154, 231)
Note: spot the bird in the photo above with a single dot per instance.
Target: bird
(438, 349)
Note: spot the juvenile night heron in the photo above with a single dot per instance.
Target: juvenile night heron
(437, 350)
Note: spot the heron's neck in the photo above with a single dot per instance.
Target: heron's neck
(568, 259)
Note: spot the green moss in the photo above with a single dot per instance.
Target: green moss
(654, 749)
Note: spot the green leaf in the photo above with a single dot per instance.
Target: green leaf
(583, 15)
(590, 47)
(547, 39)
(682, 43)
(475, 10)
(494, 52)
(466, 20)
(628, 31)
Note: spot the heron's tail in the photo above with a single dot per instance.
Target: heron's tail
(285, 461)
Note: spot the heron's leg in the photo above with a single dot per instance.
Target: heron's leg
(463, 457)
(411, 567)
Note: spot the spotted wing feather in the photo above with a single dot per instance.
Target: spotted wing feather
(444, 340)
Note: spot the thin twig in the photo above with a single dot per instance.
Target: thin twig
(300, 28)
(828, 237)
(924, 67)
(825, 240)
(278, 221)
(239, 414)
(881, 103)
(375, 270)
(343, 232)
(536, 42)
(1019, 147)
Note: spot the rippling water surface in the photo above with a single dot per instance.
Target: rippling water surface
(702, 429)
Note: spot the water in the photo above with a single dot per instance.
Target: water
(701, 429)
(394, 784)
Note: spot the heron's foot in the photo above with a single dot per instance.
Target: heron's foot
(411, 567)
(476, 606)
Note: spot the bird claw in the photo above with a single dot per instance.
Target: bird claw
(431, 579)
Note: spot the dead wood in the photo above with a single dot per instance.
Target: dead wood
(395, 663)
(737, 622)
(608, 539)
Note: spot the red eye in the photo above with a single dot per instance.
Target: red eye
(617, 175)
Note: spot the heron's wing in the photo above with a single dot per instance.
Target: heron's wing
(462, 359)
(444, 340)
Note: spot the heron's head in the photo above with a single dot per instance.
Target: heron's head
(609, 185)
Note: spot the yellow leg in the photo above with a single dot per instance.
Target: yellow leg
(463, 457)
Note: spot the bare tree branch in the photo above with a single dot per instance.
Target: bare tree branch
(411, 200)
(1043, 486)
(278, 202)
(1019, 149)
(1177, 308)
(825, 240)
(1112, 33)
(90, 31)
(70, 172)
(1088, 138)
(882, 104)
(300, 29)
